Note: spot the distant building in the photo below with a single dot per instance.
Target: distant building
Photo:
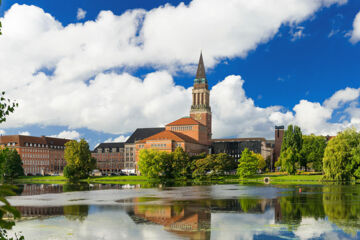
(109, 157)
(39, 155)
(235, 146)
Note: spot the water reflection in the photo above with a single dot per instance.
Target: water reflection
(312, 212)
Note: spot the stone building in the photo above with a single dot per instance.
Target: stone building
(39, 155)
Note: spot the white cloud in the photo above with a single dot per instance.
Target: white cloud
(2, 132)
(66, 75)
(68, 135)
(355, 34)
(25, 133)
(297, 33)
(81, 14)
(120, 138)
(341, 97)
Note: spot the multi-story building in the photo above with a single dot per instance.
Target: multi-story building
(109, 157)
(39, 155)
(279, 135)
(192, 133)
(130, 146)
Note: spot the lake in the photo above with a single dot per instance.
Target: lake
(233, 211)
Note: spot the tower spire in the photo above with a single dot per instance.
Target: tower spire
(200, 73)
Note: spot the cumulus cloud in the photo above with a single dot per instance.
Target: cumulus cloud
(25, 133)
(68, 135)
(355, 34)
(78, 75)
(81, 14)
(120, 138)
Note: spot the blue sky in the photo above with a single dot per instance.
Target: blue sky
(309, 59)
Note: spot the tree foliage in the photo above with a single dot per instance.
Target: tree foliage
(290, 149)
(213, 165)
(342, 156)
(248, 164)
(79, 162)
(11, 165)
(261, 161)
(163, 165)
(312, 152)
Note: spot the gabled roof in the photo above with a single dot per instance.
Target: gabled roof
(170, 135)
(184, 121)
(110, 145)
(142, 133)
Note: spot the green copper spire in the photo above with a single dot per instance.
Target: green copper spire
(200, 73)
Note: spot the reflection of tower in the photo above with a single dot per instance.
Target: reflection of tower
(200, 109)
(279, 135)
(278, 214)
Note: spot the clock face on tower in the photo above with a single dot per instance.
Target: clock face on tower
(198, 116)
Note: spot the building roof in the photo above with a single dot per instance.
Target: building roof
(237, 139)
(110, 145)
(184, 121)
(142, 133)
(170, 135)
(21, 140)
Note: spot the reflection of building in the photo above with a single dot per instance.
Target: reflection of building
(36, 189)
(39, 155)
(109, 157)
(40, 211)
(192, 222)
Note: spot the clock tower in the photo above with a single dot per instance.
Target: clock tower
(200, 108)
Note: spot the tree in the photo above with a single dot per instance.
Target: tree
(11, 165)
(290, 149)
(342, 156)
(213, 165)
(224, 163)
(181, 164)
(156, 164)
(248, 164)
(79, 162)
(312, 152)
(261, 161)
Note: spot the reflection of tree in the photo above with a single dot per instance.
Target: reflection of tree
(248, 204)
(6, 210)
(341, 205)
(76, 212)
(296, 206)
(80, 186)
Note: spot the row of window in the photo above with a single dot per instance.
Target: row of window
(28, 155)
(35, 162)
(102, 150)
(43, 145)
(181, 128)
(158, 145)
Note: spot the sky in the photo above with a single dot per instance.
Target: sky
(100, 69)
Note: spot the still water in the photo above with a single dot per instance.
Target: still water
(190, 212)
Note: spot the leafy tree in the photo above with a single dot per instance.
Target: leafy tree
(224, 163)
(312, 152)
(181, 164)
(342, 156)
(261, 161)
(290, 149)
(11, 165)
(204, 166)
(248, 164)
(79, 162)
(158, 164)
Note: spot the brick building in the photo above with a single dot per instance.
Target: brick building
(39, 155)
(192, 133)
(109, 157)
(279, 135)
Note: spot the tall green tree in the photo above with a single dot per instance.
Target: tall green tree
(11, 164)
(261, 161)
(312, 152)
(248, 164)
(290, 149)
(181, 163)
(213, 165)
(342, 156)
(79, 162)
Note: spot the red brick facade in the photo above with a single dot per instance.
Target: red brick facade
(39, 155)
